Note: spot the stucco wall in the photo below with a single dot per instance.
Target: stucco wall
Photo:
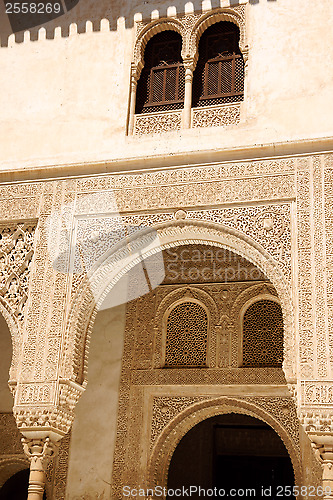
(6, 399)
(93, 433)
(66, 99)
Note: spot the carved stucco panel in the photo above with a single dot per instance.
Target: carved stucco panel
(328, 215)
(305, 276)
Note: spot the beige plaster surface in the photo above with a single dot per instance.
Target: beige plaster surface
(66, 99)
(6, 399)
(93, 434)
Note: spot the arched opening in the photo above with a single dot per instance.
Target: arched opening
(17, 486)
(219, 75)
(161, 85)
(232, 452)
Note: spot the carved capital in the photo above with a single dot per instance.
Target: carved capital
(189, 65)
(46, 409)
(39, 452)
(136, 69)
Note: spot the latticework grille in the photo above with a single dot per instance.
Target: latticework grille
(219, 76)
(162, 83)
(263, 335)
(187, 335)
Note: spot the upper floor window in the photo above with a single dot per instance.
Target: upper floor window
(161, 85)
(219, 75)
(186, 335)
(263, 335)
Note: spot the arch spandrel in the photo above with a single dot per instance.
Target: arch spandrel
(175, 430)
(91, 293)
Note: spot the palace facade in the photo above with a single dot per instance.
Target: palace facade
(166, 251)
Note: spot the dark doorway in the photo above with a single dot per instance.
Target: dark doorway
(235, 456)
(16, 487)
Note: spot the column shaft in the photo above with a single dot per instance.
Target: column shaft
(188, 95)
(132, 106)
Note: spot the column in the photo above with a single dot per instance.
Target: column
(134, 81)
(189, 68)
(245, 53)
(39, 452)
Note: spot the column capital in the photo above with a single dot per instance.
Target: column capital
(189, 65)
(136, 69)
(39, 451)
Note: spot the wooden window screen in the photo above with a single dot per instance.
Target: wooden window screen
(162, 83)
(219, 75)
(263, 335)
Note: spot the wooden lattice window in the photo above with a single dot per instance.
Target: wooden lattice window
(162, 83)
(186, 335)
(219, 75)
(263, 335)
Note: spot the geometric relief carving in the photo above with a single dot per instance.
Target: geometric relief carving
(156, 123)
(16, 251)
(199, 377)
(216, 116)
(10, 437)
(166, 408)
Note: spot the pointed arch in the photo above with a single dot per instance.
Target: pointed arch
(115, 264)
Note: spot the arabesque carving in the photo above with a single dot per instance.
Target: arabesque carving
(16, 252)
(156, 123)
(216, 116)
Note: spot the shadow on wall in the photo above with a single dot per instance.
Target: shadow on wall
(31, 21)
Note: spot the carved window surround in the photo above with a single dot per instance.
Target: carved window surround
(174, 298)
(190, 26)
